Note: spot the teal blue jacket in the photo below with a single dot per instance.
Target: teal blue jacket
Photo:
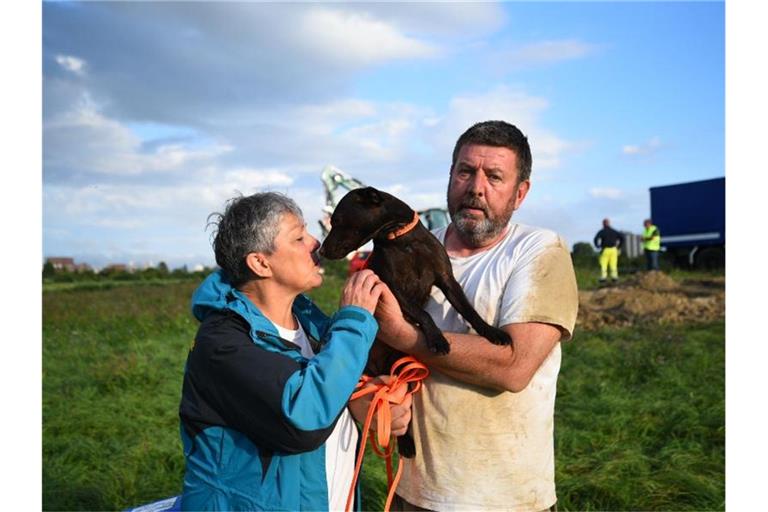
(255, 414)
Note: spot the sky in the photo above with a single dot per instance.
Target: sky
(155, 114)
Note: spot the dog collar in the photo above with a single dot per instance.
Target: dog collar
(403, 230)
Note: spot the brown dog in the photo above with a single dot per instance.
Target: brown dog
(410, 260)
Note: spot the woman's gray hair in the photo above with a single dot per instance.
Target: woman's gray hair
(248, 224)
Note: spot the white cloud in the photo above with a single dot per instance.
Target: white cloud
(325, 118)
(357, 37)
(85, 140)
(501, 102)
(396, 189)
(256, 178)
(645, 149)
(219, 59)
(119, 224)
(126, 207)
(72, 64)
(460, 21)
(544, 52)
(421, 192)
(352, 134)
(631, 150)
(605, 193)
(512, 105)
(383, 138)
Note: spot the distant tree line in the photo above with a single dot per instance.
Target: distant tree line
(121, 273)
(583, 254)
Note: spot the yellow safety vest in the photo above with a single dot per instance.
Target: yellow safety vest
(654, 244)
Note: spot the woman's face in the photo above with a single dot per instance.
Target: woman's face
(295, 262)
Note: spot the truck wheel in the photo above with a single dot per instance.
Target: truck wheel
(711, 258)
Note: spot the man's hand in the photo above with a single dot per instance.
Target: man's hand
(394, 329)
(401, 414)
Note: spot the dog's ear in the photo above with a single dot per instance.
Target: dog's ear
(373, 196)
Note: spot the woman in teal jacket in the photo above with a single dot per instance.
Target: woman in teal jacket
(264, 422)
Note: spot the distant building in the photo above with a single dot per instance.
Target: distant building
(67, 264)
(83, 267)
(633, 245)
(116, 267)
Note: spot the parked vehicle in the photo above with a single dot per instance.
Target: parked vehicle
(358, 260)
(691, 219)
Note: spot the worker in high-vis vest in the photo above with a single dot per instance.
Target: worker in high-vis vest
(608, 240)
(651, 245)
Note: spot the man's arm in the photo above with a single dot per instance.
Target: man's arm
(473, 359)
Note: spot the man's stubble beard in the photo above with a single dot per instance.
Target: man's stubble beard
(477, 233)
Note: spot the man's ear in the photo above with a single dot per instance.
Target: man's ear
(521, 192)
(259, 264)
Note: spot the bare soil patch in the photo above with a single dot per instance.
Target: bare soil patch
(652, 297)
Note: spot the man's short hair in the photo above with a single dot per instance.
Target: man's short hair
(499, 134)
(248, 224)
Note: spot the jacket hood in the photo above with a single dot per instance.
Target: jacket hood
(215, 293)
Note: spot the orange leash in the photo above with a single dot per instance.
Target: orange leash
(382, 441)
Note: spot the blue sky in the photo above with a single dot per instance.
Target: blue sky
(154, 114)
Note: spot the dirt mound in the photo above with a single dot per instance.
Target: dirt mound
(654, 281)
(652, 297)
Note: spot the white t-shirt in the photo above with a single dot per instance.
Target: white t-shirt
(479, 449)
(341, 444)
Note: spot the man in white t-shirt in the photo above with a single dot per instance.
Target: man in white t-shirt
(483, 422)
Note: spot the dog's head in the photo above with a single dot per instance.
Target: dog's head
(362, 215)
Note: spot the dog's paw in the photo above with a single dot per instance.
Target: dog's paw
(498, 337)
(405, 446)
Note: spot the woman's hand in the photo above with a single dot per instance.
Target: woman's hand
(362, 289)
(401, 414)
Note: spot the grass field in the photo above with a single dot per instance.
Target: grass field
(640, 414)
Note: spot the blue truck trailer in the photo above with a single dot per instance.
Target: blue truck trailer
(691, 219)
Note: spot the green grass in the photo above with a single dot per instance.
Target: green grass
(640, 420)
(588, 273)
(108, 284)
(112, 367)
(639, 416)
